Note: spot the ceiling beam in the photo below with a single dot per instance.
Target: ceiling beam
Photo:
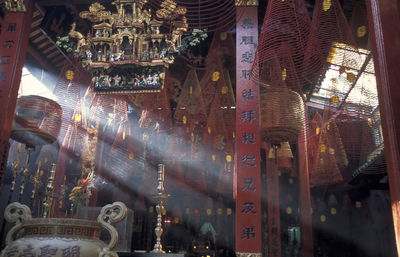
(46, 3)
(41, 60)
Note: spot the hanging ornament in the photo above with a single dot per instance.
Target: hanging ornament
(223, 36)
(69, 74)
(335, 99)
(327, 5)
(322, 148)
(358, 24)
(224, 90)
(361, 31)
(284, 74)
(215, 76)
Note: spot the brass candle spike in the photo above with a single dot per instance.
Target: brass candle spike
(25, 172)
(15, 172)
(63, 191)
(49, 195)
(36, 181)
(159, 207)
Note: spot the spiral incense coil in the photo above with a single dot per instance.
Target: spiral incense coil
(37, 120)
(282, 115)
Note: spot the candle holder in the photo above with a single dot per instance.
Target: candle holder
(160, 196)
(49, 195)
(25, 172)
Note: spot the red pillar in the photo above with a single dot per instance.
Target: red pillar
(384, 26)
(305, 199)
(247, 159)
(273, 212)
(13, 44)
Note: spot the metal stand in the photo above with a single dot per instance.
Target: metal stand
(160, 196)
(25, 172)
(48, 202)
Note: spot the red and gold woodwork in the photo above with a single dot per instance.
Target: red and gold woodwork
(14, 37)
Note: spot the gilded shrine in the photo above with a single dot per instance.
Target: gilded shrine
(129, 50)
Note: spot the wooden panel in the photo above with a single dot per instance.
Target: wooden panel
(51, 55)
(36, 22)
(38, 39)
(34, 33)
(45, 51)
(45, 44)
(58, 58)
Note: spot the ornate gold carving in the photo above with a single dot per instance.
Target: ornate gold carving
(13, 5)
(130, 39)
(36, 180)
(240, 254)
(244, 3)
(170, 10)
(96, 13)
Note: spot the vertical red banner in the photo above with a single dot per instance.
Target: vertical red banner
(274, 224)
(13, 44)
(247, 161)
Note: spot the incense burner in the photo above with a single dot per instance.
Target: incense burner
(61, 237)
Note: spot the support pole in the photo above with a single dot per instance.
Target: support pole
(384, 20)
(13, 45)
(273, 212)
(305, 199)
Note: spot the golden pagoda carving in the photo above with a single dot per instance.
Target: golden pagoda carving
(129, 50)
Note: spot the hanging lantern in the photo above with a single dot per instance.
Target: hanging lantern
(37, 120)
(282, 115)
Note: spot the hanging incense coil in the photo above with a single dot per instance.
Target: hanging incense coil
(37, 120)
(282, 115)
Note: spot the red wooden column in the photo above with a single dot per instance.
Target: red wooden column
(384, 25)
(306, 238)
(13, 44)
(247, 159)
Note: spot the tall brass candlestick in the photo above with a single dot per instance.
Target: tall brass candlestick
(15, 171)
(159, 207)
(25, 172)
(36, 181)
(49, 199)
